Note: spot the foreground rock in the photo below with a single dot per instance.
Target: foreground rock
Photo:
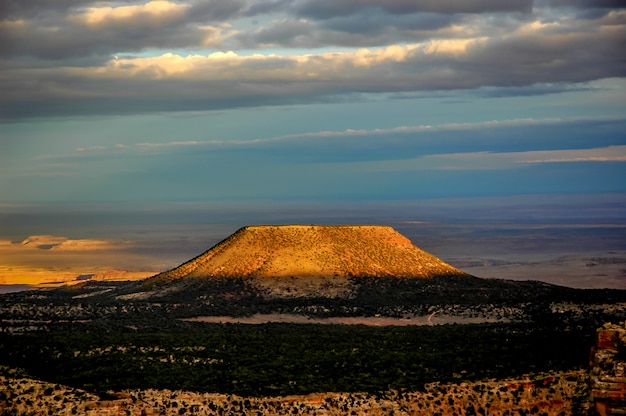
(551, 394)
(608, 370)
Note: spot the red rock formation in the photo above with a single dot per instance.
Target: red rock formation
(608, 371)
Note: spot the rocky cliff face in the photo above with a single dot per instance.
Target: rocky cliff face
(313, 250)
(608, 370)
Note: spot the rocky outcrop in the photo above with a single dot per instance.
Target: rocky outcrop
(608, 370)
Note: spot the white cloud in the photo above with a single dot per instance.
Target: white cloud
(91, 148)
(150, 145)
(415, 129)
(496, 161)
(603, 154)
(159, 12)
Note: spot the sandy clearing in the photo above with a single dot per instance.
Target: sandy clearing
(370, 321)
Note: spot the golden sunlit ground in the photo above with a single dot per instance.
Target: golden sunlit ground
(56, 260)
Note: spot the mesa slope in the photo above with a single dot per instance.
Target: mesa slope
(314, 251)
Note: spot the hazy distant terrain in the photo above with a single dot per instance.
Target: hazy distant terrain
(577, 244)
(570, 255)
(589, 270)
(588, 255)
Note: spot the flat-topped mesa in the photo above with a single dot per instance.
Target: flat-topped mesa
(315, 251)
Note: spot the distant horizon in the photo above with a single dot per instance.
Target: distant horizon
(548, 238)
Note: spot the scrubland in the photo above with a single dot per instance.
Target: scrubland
(555, 393)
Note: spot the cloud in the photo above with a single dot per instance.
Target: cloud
(50, 242)
(12, 9)
(534, 53)
(151, 14)
(477, 146)
(374, 23)
(103, 30)
(324, 9)
(588, 4)
(149, 145)
(91, 148)
(362, 30)
(133, 57)
(530, 90)
(41, 9)
(492, 161)
(380, 132)
(603, 154)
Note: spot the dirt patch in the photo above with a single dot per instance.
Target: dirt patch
(258, 319)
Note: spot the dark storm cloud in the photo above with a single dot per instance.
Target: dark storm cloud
(324, 9)
(65, 29)
(204, 9)
(363, 30)
(261, 7)
(585, 9)
(31, 39)
(38, 8)
(216, 10)
(566, 57)
(588, 4)
(60, 60)
(369, 23)
(171, 83)
(71, 29)
(287, 32)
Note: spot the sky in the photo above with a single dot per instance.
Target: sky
(234, 99)
(153, 103)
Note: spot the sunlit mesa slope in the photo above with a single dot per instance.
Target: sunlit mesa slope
(313, 251)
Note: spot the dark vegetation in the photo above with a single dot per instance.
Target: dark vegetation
(104, 342)
(280, 359)
(395, 297)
